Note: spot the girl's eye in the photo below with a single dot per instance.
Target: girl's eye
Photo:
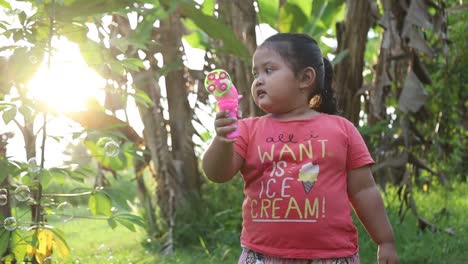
(269, 70)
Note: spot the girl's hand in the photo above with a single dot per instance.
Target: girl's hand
(224, 125)
(386, 253)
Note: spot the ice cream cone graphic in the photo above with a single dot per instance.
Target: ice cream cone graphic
(308, 176)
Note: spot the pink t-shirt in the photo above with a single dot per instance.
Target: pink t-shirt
(295, 181)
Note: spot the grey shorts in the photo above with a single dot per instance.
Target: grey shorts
(249, 256)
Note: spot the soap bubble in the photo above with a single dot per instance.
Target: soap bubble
(33, 167)
(33, 59)
(110, 146)
(10, 223)
(103, 251)
(3, 191)
(47, 260)
(65, 211)
(3, 199)
(22, 193)
(112, 149)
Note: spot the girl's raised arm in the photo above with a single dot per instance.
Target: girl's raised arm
(220, 163)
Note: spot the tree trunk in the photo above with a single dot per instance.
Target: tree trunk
(155, 135)
(352, 37)
(180, 113)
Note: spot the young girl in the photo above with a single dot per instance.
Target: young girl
(302, 165)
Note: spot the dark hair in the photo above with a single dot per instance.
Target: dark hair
(301, 51)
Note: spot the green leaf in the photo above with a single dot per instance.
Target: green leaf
(208, 7)
(129, 221)
(59, 175)
(18, 244)
(75, 32)
(142, 98)
(119, 199)
(100, 204)
(339, 57)
(9, 115)
(117, 162)
(304, 5)
(324, 15)
(117, 67)
(292, 18)
(22, 66)
(133, 64)
(134, 219)
(121, 44)
(215, 29)
(203, 244)
(268, 12)
(127, 224)
(46, 178)
(4, 241)
(95, 56)
(7, 6)
(112, 223)
(334, 11)
(197, 38)
(4, 25)
(26, 111)
(69, 12)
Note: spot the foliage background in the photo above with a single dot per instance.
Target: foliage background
(149, 196)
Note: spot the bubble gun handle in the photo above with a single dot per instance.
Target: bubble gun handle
(219, 83)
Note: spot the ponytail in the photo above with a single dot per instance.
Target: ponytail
(323, 99)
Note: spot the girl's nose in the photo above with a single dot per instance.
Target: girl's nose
(258, 81)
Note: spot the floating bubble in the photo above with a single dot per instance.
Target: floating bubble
(103, 251)
(33, 59)
(114, 209)
(10, 223)
(22, 193)
(47, 260)
(3, 199)
(33, 167)
(112, 149)
(3, 191)
(110, 146)
(65, 211)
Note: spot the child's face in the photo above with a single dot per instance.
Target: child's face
(275, 88)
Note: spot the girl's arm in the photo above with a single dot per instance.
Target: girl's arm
(368, 205)
(220, 163)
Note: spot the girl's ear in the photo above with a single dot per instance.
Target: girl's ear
(307, 78)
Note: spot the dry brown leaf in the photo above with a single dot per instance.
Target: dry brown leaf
(413, 96)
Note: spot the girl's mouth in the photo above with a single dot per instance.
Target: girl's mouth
(260, 92)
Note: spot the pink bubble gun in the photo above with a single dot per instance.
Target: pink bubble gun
(219, 83)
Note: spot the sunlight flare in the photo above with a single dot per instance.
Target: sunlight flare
(69, 82)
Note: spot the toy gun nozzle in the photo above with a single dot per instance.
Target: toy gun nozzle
(218, 82)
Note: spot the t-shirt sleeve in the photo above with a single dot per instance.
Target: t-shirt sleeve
(358, 153)
(241, 143)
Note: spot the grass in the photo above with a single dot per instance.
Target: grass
(446, 209)
(93, 241)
